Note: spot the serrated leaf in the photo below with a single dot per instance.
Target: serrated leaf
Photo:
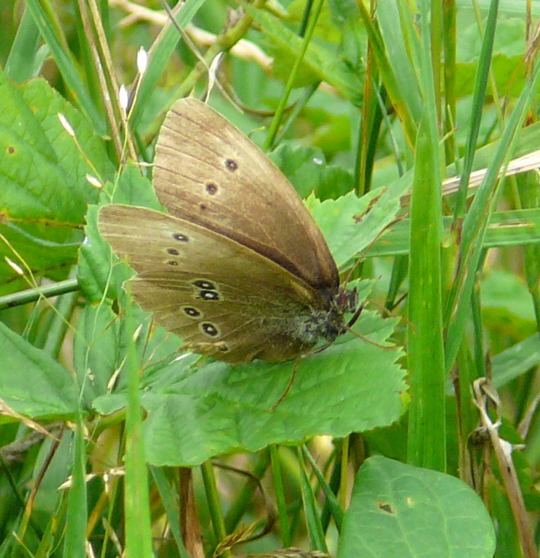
(195, 413)
(215, 409)
(351, 224)
(43, 186)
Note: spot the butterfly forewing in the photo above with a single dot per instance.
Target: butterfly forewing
(207, 172)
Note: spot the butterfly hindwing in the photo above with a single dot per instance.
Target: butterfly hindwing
(217, 295)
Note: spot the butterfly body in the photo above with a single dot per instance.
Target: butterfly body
(238, 269)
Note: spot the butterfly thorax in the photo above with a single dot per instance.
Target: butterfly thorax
(327, 322)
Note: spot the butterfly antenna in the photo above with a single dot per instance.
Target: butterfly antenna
(370, 341)
(390, 307)
(352, 321)
(355, 316)
(388, 311)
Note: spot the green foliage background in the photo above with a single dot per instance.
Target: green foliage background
(392, 444)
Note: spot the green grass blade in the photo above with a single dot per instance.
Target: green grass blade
(313, 523)
(479, 94)
(76, 516)
(284, 98)
(23, 59)
(390, 79)
(66, 64)
(279, 491)
(426, 446)
(214, 506)
(136, 499)
(170, 506)
(333, 504)
(475, 225)
(160, 54)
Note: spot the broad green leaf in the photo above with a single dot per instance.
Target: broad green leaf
(43, 186)
(34, 384)
(226, 408)
(351, 224)
(305, 167)
(405, 511)
(195, 413)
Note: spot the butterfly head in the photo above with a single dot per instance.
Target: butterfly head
(344, 302)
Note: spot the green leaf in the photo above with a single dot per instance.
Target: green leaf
(320, 61)
(99, 271)
(351, 224)
(34, 384)
(133, 188)
(405, 511)
(77, 499)
(516, 360)
(94, 349)
(195, 413)
(43, 188)
(49, 29)
(218, 408)
(96, 271)
(476, 223)
(305, 167)
(161, 53)
(506, 228)
(25, 57)
(503, 291)
(425, 334)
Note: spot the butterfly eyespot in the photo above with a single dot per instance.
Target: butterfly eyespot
(192, 312)
(181, 237)
(202, 207)
(231, 164)
(172, 262)
(223, 347)
(209, 329)
(204, 284)
(173, 251)
(209, 295)
(211, 188)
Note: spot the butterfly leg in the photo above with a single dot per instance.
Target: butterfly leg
(289, 385)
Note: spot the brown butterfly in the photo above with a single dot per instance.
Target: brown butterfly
(238, 269)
